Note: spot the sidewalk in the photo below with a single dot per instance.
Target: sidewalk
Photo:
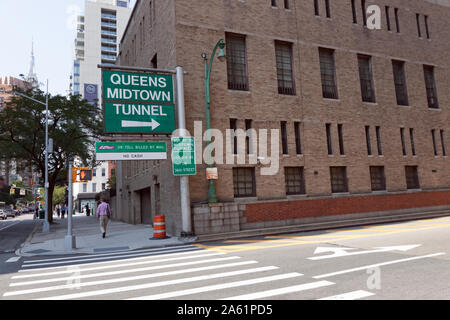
(120, 236)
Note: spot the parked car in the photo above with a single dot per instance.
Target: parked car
(10, 213)
(3, 215)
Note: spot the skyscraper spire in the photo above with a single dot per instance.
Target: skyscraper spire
(32, 77)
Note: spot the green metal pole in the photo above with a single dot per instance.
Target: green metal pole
(212, 196)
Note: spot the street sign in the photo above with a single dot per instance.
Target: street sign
(138, 102)
(131, 151)
(139, 118)
(183, 156)
(144, 87)
(212, 174)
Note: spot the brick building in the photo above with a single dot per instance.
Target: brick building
(363, 114)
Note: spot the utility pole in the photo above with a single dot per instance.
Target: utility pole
(69, 240)
(186, 218)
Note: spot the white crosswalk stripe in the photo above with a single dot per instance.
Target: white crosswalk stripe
(360, 294)
(153, 274)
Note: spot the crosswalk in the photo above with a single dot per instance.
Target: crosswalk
(182, 272)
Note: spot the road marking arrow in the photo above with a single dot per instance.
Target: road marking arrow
(342, 252)
(140, 124)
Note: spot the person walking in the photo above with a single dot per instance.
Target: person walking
(58, 210)
(63, 211)
(103, 214)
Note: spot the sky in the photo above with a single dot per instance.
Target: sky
(49, 23)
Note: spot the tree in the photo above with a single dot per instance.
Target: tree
(59, 195)
(73, 124)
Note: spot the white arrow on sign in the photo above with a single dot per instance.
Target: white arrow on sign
(140, 124)
(342, 252)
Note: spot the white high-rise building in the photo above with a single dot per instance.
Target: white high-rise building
(99, 32)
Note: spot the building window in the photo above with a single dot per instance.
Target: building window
(316, 8)
(388, 19)
(366, 78)
(103, 172)
(430, 85)
(427, 28)
(294, 178)
(419, 33)
(338, 179)
(298, 139)
(397, 21)
(248, 126)
(274, 3)
(400, 82)
(329, 142)
(327, 8)
(413, 145)
(444, 152)
(363, 7)
(377, 178)
(412, 177)
(284, 139)
(103, 186)
(122, 4)
(236, 62)
(94, 187)
(341, 139)
(328, 73)
(285, 74)
(244, 182)
(233, 127)
(355, 19)
(94, 172)
(433, 137)
(154, 61)
(84, 187)
(379, 144)
(369, 145)
(402, 136)
(287, 4)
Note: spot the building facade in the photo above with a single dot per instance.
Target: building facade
(361, 115)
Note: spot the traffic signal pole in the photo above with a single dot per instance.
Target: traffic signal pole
(69, 240)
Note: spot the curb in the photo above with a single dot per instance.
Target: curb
(323, 225)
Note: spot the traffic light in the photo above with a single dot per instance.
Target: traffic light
(85, 175)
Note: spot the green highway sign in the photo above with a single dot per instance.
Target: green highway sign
(138, 102)
(127, 86)
(183, 156)
(139, 118)
(131, 151)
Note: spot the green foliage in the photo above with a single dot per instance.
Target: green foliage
(58, 195)
(73, 124)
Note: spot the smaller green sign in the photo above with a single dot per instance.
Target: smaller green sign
(131, 151)
(183, 156)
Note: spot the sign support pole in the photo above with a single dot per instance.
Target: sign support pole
(184, 180)
(69, 240)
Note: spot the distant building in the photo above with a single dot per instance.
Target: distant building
(12, 170)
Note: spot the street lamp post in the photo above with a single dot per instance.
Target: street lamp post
(212, 197)
(46, 226)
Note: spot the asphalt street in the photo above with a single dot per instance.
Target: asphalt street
(401, 261)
